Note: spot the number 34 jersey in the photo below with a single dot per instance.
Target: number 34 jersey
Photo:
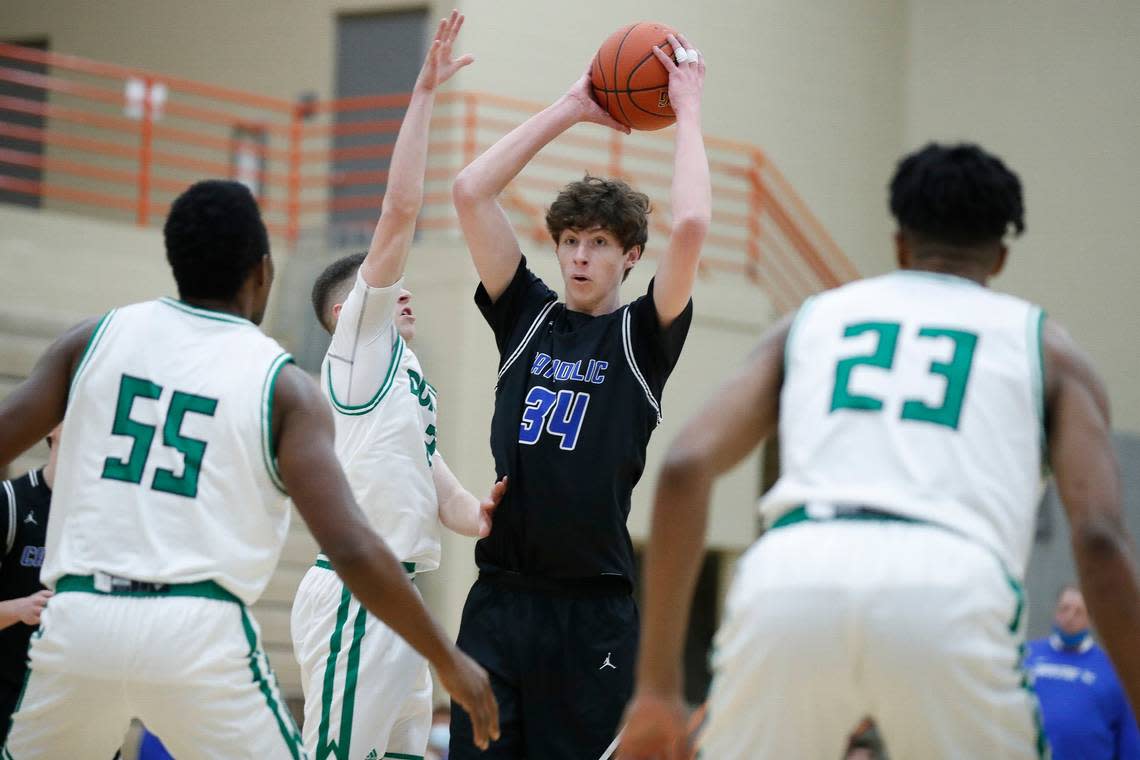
(920, 394)
(166, 470)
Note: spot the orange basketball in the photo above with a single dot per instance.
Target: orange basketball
(629, 81)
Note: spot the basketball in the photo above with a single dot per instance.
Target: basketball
(628, 80)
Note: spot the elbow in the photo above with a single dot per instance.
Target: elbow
(350, 552)
(684, 468)
(1100, 539)
(463, 191)
(402, 209)
(692, 226)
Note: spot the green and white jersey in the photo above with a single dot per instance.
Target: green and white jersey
(920, 394)
(385, 412)
(166, 470)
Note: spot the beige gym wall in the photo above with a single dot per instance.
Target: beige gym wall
(1053, 87)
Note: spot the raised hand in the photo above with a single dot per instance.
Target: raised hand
(587, 109)
(487, 507)
(687, 78)
(439, 66)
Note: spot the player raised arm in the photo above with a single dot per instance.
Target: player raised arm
(741, 414)
(392, 239)
(37, 405)
(489, 235)
(303, 430)
(1081, 454)
(691, 193)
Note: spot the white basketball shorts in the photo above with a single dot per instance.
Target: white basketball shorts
(829, 622)
(190, 667)
(366, 690)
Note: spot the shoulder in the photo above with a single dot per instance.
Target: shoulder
(1066, 363)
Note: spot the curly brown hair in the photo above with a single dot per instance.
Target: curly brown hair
(597, 202)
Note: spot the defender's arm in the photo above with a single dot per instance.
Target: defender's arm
(392, 239)
(1084, 464)
(37, 405)
(459, 509)
(741, 415)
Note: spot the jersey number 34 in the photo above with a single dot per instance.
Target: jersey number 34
(560, 414)
(131, 469)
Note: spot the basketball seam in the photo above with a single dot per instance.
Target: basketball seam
(617, 58)
(641, 108)
(605, 91)
(638, 65)
(636, 89)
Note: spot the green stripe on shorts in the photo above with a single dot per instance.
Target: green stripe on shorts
(339, 748)
(285, 722)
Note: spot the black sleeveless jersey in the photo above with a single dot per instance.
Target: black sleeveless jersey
(577, 399)
(24, 507)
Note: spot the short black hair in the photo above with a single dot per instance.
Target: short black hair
(330, 280)
(214, 238)
(958, 195)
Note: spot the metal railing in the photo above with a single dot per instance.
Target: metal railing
(116, 141)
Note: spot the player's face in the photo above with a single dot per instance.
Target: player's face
(1071, 614)
(593, 264)
(405, 317)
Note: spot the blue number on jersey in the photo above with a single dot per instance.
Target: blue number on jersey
(569, 410)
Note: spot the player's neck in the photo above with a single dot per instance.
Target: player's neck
(607, 304)
(216, 304)
(977, 273)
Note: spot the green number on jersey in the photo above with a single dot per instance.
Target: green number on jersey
(956, 372)
(192, 449)
(883, 356)
(131, 470)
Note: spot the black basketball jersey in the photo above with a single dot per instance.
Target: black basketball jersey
(577, 399)
(24, 507)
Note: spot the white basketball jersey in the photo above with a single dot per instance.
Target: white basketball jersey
(166, 466)
(385, 446)
(920, 394)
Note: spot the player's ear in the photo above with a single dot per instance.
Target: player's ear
(336, 309)
(999, 263)
(263, 272)
(632, 256)
(902, 250)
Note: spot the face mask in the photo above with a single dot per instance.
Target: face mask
(1071, 640)
(440, 737)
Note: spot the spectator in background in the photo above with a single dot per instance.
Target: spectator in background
(439, 738)
(24, 508)
(1085, 711)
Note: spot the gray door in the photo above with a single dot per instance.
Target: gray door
(17, 118)
(376, 54)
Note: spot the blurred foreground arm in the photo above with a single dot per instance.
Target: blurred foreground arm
(1084, 464)
(743, 413)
